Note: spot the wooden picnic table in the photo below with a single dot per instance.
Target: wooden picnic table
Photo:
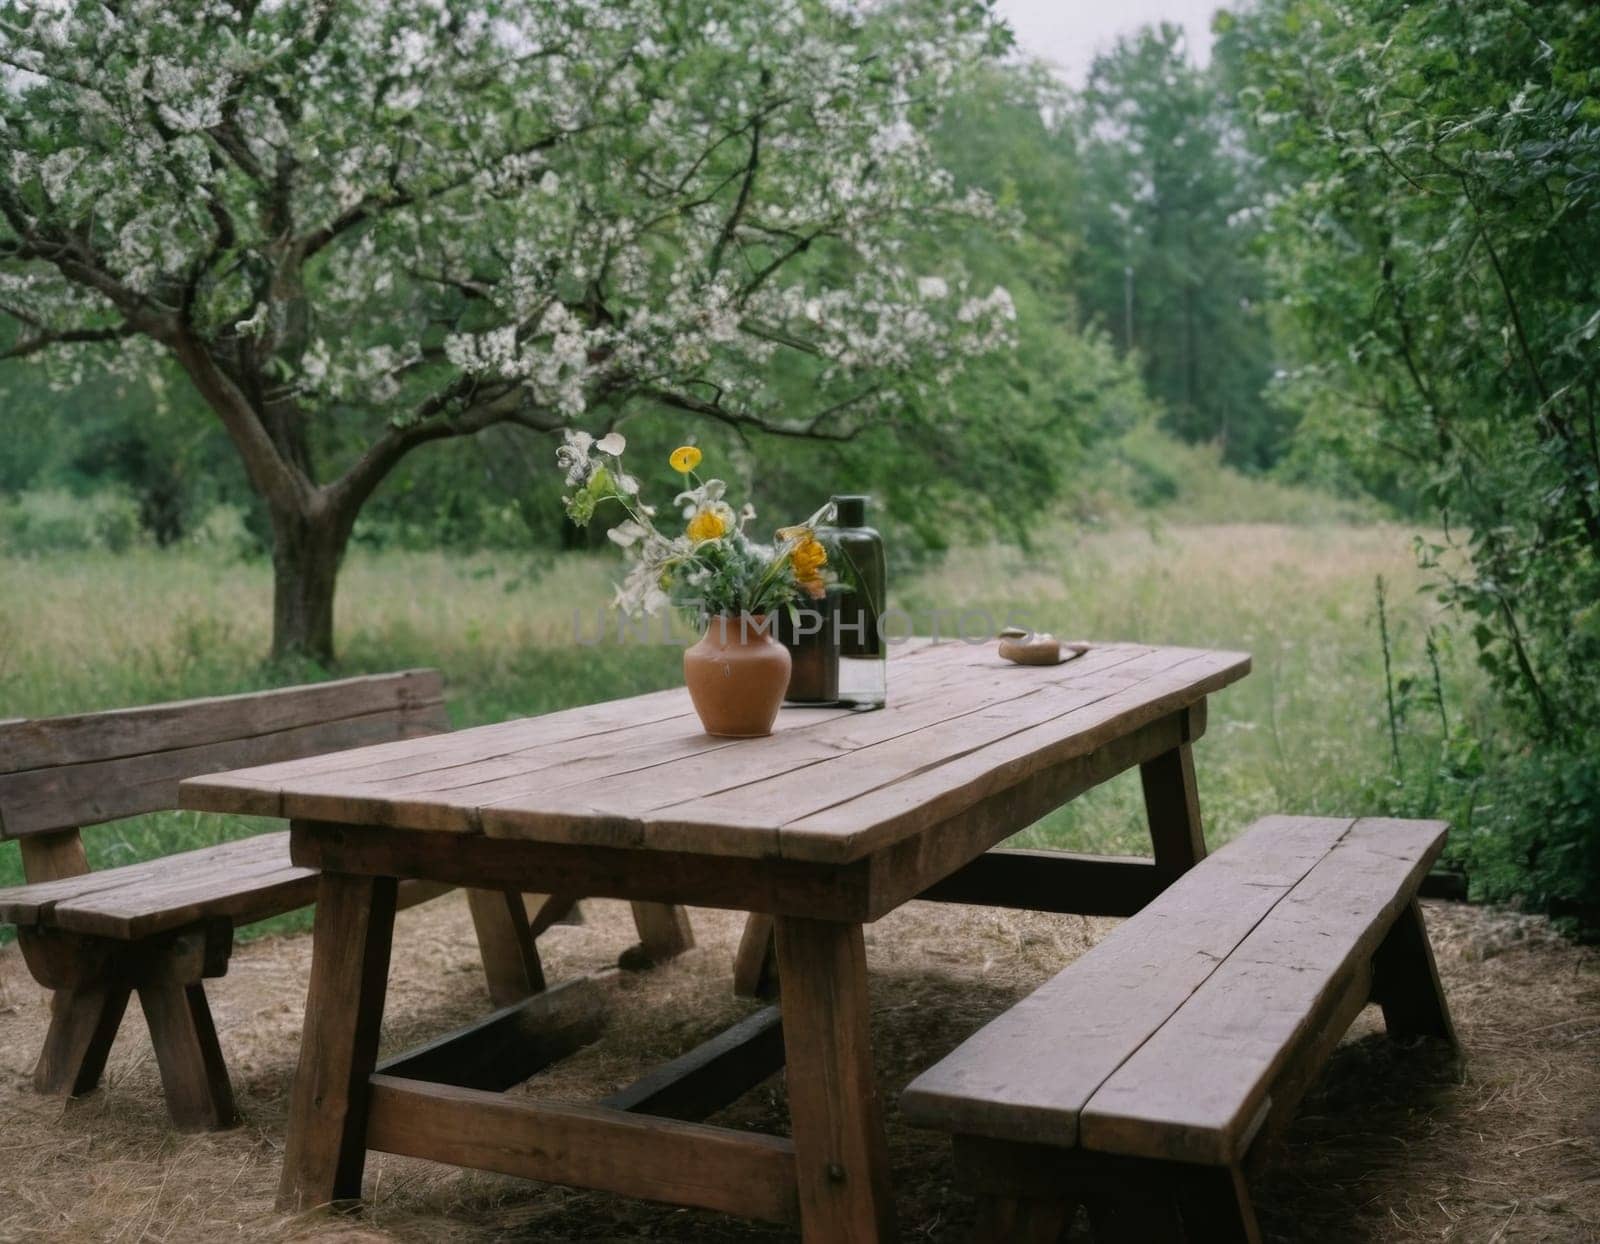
(832, 822)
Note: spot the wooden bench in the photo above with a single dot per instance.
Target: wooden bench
(1141, 1078)
(164, 926)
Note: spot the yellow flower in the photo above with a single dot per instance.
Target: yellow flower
(808, 557)
(707, 525)
(684, 459)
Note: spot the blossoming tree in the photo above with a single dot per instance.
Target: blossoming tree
(360, 228)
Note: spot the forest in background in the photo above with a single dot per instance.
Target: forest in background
(1355, 253)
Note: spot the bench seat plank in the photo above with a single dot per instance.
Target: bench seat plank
(1165, 1040)
(1193, 1091)
(1028, 1074)
(245, 880)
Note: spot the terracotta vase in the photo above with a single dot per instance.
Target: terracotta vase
(737, 674)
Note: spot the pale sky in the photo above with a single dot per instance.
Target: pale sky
(1070, 33)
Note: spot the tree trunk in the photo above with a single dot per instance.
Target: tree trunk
(306, 552)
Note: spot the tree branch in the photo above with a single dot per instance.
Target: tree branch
(812, 429)
(1550, 422)
(232, 143)
(372, 206)
(69, 336)
(730, 225)
(72, 256)
(1512, 309)
(800, 246)
(780, 336)
(431, 421)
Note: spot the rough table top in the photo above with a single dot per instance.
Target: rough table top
(829, 785)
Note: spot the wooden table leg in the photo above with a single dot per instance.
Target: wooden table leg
(755, 966)
(545, 910)
(664, 930)
(325, 1149)
(1172, 807)
(506, 941)
(841, 1155)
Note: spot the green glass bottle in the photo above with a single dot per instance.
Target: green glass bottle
(855, 552)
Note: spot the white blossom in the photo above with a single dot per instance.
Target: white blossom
(544, 197)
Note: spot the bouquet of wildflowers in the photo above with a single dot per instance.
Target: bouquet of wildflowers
(713, 566)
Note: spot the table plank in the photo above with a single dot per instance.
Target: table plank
(355, 784)
(859, 762)
(258, 790)
(852, 828)
(724, 801)
(772, 790)
(828, 786)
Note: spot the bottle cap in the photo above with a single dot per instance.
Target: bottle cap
(850, 510)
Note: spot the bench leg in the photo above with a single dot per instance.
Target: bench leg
(841, 1154)
(755, 967)
(325, 1148)
(83, 1023)
(194, 1078)
(1022, 1220)
(664, 930)
(1405, 981)
(506, 941)
(1172, 808)
(1215, 1204)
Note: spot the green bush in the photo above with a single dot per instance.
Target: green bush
(53, 521)
(1522, 820)
(1522, 813)
(1534, 840)
(225, 530)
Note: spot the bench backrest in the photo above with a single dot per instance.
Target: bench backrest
(59, 773)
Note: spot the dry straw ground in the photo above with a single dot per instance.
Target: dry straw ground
(1394, 1145)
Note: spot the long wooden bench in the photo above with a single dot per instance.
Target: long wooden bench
(1143, 1079)
(164, 926)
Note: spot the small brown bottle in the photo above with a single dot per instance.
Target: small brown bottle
(807, 631)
